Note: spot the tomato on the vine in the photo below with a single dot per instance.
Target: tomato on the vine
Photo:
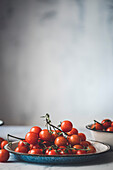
(31, 138)
(52, 152)
(21, 149)
(45, 135)
(35, 151)
(80, 152)
(66, 126)
(4, 155)
(35, 129)
(76, 147)
(91, 149)
(85, 144)
(82, 136)
(1, 139)
(74, 139)
(97, 126)
(72, 132)
(60, 141)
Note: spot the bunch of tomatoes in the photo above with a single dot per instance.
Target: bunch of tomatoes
(104, 125)
(65, 140)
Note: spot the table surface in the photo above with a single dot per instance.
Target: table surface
(104, 162)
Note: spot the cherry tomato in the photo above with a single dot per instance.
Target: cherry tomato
(110, 129)
(80, 152)
(56, 133)
(1, 139)
(66, 126)
(85, 144)
(4, 155)
(106, 123)
(112, 124)
(65, 152)
(72, 132)
(35, 129)
(97, 126)
(31, 138)
(82, 136)
(35, 151)
(21, 149)
(74, 139)
(60, 141)
(22, 143)
(36, 146)
(53, 152)
(3, 144)
(45, 135)
(76, 147)
(92, 149)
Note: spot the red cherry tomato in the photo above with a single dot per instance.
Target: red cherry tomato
(36, 146)
(82, 136)
(21, 149)
(91, 149)
(1, 139)
(66, 126)
(53, 152)
(72, 132)
(35, 129)
(85, 144)
(45, 135)
(4, 155)
(110, 129)
(3, 144)
(35, 151)
(74, 139)
(22, 143)
(60, 141)
(31, 138)
(76, 147)
(80, 152)
(112, 124)
(97, 126)
(56, 133)
(106, 123)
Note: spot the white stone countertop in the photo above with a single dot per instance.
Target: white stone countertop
(103, 163)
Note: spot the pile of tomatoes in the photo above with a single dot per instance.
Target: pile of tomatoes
(57, 141)
(105, 125)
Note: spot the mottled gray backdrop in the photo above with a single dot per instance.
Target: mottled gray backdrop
(56, 56)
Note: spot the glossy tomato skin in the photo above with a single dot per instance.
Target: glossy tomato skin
(45, 135)
(72, 132)
(31, 138)
(4, 155)
(81, 152)
(52, 152)
(91, 149)
(74, 139)
(60, 141)
(21, 149)
(22, 143)
(109, 129)
(35, 151)
(85, 144)
(3, 144)
(56, 133)
(82, 136)
(36, 146)
(66, 126)
(106, 123)
(36, 129)
(1, 139)
(76, 147)
(97, 126)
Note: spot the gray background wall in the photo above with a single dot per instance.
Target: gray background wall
(56, 56)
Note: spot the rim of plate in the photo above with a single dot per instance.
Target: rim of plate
(7, 147)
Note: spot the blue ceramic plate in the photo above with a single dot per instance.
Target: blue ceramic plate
(64, 159)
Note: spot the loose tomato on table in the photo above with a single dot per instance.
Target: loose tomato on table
(66, 126)
(4, 155)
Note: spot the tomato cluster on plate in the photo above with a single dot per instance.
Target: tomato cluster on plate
(54, 140)
(104, 125)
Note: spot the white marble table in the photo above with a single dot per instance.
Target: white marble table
(103, 163)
